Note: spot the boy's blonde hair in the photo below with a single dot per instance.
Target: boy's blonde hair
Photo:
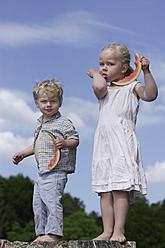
(123, 54)
(52, 88)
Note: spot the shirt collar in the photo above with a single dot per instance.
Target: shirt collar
(55, 116)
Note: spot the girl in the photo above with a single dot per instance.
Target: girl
(117, 170)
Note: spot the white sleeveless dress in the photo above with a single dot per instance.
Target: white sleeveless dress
(117, 162)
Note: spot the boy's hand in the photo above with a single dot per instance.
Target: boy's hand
(91, 72)
(17, 158)
(60, 143)
(145, 63)
(69, 143)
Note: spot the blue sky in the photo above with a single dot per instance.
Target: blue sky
(44, 39)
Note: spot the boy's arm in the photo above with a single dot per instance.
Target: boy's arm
(23, 154)
(99, 83)
(148, 92)
(69, 143)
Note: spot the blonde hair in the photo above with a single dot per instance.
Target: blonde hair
(123, 54)
(51, 87)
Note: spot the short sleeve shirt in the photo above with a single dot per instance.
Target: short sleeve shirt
(60, 127)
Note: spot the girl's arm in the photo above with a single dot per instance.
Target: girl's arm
(148, 92)
(99, 83)
(23, 154)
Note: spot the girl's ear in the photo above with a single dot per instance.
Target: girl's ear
(125, 68)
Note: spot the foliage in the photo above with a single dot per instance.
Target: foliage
(18, 233)
(15, 202)
(71, 205)
(145, 223)
(80, 225)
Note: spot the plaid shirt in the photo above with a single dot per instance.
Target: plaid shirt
(60, 127)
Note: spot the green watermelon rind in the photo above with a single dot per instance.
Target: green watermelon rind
(131, 78)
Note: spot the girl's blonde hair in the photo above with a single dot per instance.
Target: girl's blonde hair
(52, 88)
(123, 54)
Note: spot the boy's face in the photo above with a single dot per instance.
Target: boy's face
(48, 106)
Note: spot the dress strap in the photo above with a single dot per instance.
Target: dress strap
(132, 85)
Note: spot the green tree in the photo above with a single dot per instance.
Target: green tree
(15, 203)
(22, 234)
(80, 225)
(71, 204)
(97, 218)
(145, 224)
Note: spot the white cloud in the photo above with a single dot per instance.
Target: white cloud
(162, 92)
(159, 70)
(156, 173)
(66, 29)
(151, 113)
(84, 115)
(76, 119)
(15, 114)
(157, 66)
(76, 28)
(18, 119)
(10, 144)
(112, 27)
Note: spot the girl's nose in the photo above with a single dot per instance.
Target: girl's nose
(105, 67)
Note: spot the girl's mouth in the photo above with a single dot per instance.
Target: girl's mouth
(104, 75)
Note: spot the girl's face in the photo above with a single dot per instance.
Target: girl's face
(110, 66)
(48, 106)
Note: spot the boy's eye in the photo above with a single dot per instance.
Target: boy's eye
(43, 101)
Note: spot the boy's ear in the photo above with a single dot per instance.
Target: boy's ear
(36, 102)
(125, 68)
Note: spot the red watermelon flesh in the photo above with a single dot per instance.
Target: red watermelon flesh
(54, 161)
(134, 75)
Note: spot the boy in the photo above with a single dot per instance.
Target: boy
(49, 185)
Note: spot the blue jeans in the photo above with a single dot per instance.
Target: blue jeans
(47, 207)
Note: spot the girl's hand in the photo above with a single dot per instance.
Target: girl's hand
(17, 157)
(91, 72)
(148, 92)
(145, 63)
(99, 83)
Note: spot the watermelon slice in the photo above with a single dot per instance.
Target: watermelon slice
(134, 75)
(54, 161)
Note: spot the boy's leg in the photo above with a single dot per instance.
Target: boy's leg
(106, 202)
(39, 210)
(121, 207)
(53, 185)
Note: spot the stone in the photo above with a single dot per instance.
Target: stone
(70, 244)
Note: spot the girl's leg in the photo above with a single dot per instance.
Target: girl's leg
(106, 202)
(121, 207)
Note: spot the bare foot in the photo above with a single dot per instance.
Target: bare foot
(118, 235)
(48, 238)
(103, 236)
(38, 238)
